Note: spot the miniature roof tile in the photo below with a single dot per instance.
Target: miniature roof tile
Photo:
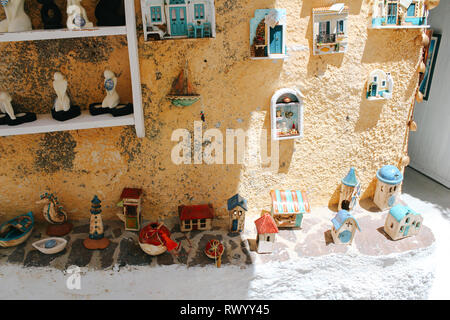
(131, 193)
(341, 217)
(390, 174)
(200, 211)
(350, 179)
(96, 200)
(399, 212)
(235, 201)
(266, 224)
(289, 202)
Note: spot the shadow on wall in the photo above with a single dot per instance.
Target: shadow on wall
(369, 113)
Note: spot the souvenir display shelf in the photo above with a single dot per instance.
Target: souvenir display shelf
(45, 123)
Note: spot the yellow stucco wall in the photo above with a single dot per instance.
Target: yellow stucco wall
(341, 128)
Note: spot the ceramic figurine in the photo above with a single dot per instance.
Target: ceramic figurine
(286, 111)
(164, 19)
(50, 14)
(330, 29)
(214, 250)
(288, 207)
(394, 14)
(268, 31)
(55, 215)
(350, 191)
(16, 18)
(96, 238)
(62, 109)
(50, 245)
(237, 206)
(108, 13)
(267, 230)
(402, 222)
(154, 239)
(182, 93)
(111, 103)
(344, 228)
(17, 230)
(380, 85)
(389, 179)
(196, 217)
(7, 115)
(76, 16)
(131, 201)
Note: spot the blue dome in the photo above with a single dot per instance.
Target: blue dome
(390, 174)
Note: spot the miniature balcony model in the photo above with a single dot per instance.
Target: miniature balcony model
(330, 29)
(173, 19)
(379, 86)
(286, 112)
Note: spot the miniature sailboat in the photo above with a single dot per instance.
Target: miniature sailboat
(154, 239)
(17, 230)
(182, 94)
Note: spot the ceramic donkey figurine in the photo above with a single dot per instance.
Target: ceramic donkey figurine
(76, 16)
(16, 18)
(53, 211)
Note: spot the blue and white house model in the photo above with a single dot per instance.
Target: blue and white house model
(392, 14)
(350, 191)
(402, 222)
(172, 19)
(237, 207)
(388, 186)
(268, 34)
(344, 228)
(380, 85)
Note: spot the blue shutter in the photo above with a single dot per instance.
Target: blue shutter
(412, 10)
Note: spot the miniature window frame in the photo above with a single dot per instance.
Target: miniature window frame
(199, 11)
(298, 104)
(155, 12)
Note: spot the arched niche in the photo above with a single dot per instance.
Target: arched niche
(286, 111)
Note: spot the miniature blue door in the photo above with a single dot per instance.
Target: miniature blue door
(392, 13)
(405, 233)
(276, 40)
(178, 25)
(234, 227)
(345, 236)
(298, 220)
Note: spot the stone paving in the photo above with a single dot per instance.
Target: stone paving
(313, 239)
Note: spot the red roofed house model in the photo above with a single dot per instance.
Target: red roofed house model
(196, 217)
(131, 202)
(267, 229)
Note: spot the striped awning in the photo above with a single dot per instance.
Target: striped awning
(289, 202)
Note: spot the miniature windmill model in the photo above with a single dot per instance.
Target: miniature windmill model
(96, 238)
(182, 94)
(350, 191)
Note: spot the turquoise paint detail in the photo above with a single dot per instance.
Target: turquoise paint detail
(155, 13)
(177, 2)
(236, 201)
(415, 21)
(399, 212)
(235, 226)
(405, 233)
(199, 11)
(289, 202)
(350, 179)
(411, 12)
(178, 21)
(392, 13)
(391, 201)
(259, 16)
(345, 236)
(341, 217)
(276, 40)
(300, 202)
(20, 231)
(378, 22)
(390, 174)
(298, 220)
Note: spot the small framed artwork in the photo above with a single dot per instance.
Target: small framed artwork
(433, 50)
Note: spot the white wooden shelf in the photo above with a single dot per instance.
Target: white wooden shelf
(62, 34)
(45, 123)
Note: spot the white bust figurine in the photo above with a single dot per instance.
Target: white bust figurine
(5, 104)
(62, 102)
(76, 16)
(16, 18)
(112, 98)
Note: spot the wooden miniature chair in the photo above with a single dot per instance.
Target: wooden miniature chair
(190, 30)
(207, 30)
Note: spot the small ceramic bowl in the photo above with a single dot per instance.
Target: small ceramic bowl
(50, 245)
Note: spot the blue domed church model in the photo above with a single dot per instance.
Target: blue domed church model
(388, 186)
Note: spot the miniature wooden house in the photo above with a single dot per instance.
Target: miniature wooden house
(388, 186)
(288, 207)
(399, 14)
(286, 111)
(350, 191)
(268, 34)
(344, 228)
(380, 85)
(172, 19)
(267, 230)
(196, 217)
(330, 29)
(131, 199)
(402, 222)
(237, 206)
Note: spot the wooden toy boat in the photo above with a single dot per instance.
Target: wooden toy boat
(154, 239)
(214, 250)
(182, 93)
(50, 245)
(17, 230)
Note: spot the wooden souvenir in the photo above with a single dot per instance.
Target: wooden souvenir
(389, 179)
(55, 215)
(288, 207)
(17, 230)
(110, 13)
(350, 191)
(266, 229)
(196, 217)
(330, 29)
(174, 19)
(50, 14)
(154, 239)
(394, 14)
(268, 32)
(237, 207)
(131, 202)
(344, 228)
(286, 112)
(182, 93)
(50, 245)
(380, 85)
(402, 222)
(96, 238)
(16, 18)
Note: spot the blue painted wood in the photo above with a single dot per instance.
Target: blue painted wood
(392, 13)
(411, 10)
(276, 40)
(235, 225)
(298, 220)
(345, 236)
(405, 233)
(178, 21)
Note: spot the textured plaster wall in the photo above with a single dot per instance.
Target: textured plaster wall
(341, 128)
